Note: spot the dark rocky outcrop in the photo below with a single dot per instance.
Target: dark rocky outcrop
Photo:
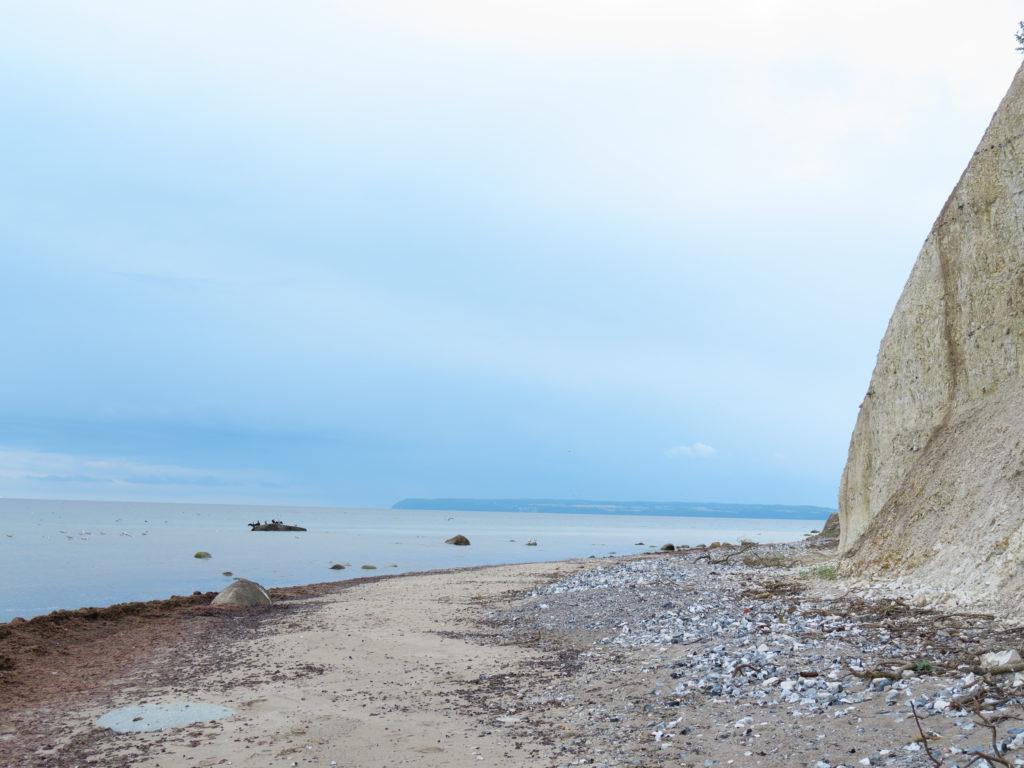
(458, 540)
(829, 531)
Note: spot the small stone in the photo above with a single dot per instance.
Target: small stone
(999, 662)
(458, 540)
(202, 555)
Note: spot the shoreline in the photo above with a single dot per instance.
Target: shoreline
(649, 659)
(66, 556)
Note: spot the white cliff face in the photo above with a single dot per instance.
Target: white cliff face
(944, 400)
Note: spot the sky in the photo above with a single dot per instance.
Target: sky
(343, 253)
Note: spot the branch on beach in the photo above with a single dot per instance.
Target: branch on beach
(936, 761)
(745, 547)
(995, 757)
(971, 696)
(896, 668)
(739, 667)
(997, 752)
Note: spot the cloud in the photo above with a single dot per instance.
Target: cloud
(28, 472)
(695, 451)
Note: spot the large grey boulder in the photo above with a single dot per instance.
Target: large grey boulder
(934, 481)
(242, 592)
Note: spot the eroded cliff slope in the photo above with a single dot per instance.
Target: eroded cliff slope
(934, 482)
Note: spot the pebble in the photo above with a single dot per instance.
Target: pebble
(787, 655)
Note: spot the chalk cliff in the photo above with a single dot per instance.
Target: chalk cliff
(934, 481)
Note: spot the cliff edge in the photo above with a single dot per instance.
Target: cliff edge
(934, 481)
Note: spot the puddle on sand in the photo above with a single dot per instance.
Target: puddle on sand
(157, 717)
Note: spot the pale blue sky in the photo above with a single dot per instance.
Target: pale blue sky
(347, 252)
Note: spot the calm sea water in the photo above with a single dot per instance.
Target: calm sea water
(70, 554)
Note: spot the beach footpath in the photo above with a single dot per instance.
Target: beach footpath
(753, 655)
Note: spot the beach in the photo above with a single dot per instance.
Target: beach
(731, 656)
(356, 672)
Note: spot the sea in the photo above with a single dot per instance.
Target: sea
(73, 554)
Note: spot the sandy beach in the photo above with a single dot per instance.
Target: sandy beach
(686, 658)
(361, 672)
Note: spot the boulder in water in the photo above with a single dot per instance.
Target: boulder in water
(459, 541)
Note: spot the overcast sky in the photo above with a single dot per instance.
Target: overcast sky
(347, 252)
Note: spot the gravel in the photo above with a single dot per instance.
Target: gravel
(698, 658)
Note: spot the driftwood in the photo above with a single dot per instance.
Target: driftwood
(745, 547)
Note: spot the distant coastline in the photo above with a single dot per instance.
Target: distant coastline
(647, 508)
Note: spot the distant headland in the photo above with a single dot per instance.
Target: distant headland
(652, 508)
